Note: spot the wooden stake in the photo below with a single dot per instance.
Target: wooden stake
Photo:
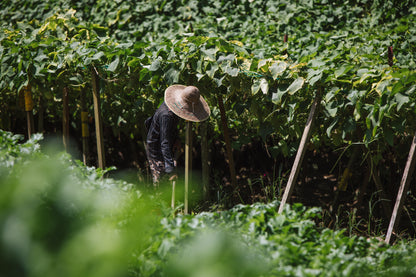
(391, 55)
(188, 161)
(65, 118)
(172, 203)
(401, 195)
(97, 116)
(300, 154)
(29, 110)
(227, 141)
(285, 41)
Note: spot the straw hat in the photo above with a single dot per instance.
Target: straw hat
(187, 103)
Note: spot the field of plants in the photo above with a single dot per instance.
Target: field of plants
(59, 217)
(261, 66)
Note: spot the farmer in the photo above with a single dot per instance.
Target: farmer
(180, 102)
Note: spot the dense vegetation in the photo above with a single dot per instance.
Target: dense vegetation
(58, 217)
(234, 48)
(268, 60)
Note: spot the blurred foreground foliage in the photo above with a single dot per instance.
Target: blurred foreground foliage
(60, 218)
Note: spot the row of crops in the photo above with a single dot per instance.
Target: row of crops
(268, 61)
(233, 48)
(58, 217)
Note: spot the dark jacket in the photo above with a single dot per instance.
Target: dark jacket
(161, 136)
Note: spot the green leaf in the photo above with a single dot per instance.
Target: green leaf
(265, 130)
(357, 110)
(218, 81)
(381, 86)
(330, 94)
(210, 54)
(264, 64)
(255, 87)
(332, 109)
(264, 86)
(172, 75)
(317, 63)
(368, 123)
(375, 130)
(349, 127)
(200, 76)
(389, 136)
(329, 129)
(229, 58)
(135, 62)
(41, 58)
(342, 70)
(155, 65)
(284, 148)
(113, 65)
(232, 71)
(144, 74)
(314, 76)
(364, 74)
(296, 85)
(97, 56)
(277, 69)
(277, 96)
(400, 99)
(211, 71)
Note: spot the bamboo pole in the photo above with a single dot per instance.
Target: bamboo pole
(188, 162)
(172, 203)
(97, 116)
(227, 141)
(65, 119)
(301, 152)
(401, 195)
(29, 110)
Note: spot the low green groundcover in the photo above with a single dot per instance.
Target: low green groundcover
(60, 218)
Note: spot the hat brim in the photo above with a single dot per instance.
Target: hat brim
(198, 113)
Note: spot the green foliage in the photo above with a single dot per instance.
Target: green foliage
(11, 151)
(58, 217)
(254, 240)
(231, 47)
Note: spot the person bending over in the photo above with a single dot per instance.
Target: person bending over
(180, 102)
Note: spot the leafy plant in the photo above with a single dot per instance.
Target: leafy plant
(235, 49)
(59, 217)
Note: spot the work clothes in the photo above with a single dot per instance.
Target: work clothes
(161, 136)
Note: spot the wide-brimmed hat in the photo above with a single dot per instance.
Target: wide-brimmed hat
(187, 103)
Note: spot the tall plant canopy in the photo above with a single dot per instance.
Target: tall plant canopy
(267, 58)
